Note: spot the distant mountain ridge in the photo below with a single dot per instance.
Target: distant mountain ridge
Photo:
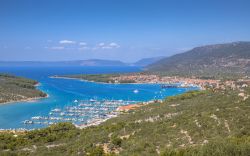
(229, 58)
(147, 61)
(89, 62)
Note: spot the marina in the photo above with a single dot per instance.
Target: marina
(80, 102)
(81, 112)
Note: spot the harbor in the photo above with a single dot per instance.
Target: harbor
(79, 102)
(93, 111)
(82, 113)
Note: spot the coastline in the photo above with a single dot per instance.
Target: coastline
(162, 83)
(33, 99)
(94, 121)
(120, 110)
(84, 80)
(25, 100)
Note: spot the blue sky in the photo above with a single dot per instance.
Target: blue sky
(127, 30)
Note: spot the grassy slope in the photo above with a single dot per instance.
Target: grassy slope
(15, 88)
(179, 126)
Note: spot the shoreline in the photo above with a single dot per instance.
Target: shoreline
(162, 83)
(176, 81)
(79, 79)
(119, 110)
(94, 121)
(33, 99)
(25, 100)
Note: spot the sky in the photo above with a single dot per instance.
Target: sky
(126, 30)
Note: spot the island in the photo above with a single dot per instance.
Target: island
(15, 89)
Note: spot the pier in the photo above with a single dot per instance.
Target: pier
(81, 112)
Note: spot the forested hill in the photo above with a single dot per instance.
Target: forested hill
(14, 88)
(212, 60)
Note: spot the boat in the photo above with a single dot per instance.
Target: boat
(78, 113)
(62, 114)
(36, 118)
(28, 122)
(92, 100)
(168, 86)
(56, 110)
(136, 91)
(184, 85)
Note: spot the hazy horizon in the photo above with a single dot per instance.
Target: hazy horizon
(77, 60)
(128, 31)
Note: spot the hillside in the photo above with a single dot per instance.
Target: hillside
(17, 89)
(147, 61)
(212, 60)
(202, 123)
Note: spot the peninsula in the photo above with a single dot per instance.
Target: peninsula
(146, 78)
(15, 89)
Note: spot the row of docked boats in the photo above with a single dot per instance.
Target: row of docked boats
(178, 85)
(80, 112)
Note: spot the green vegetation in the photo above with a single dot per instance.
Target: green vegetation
(202, 123)
(104, 78)
(16, 88)
(184, 96)
(219, 61)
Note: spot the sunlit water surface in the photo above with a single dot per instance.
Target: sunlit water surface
(63, 92)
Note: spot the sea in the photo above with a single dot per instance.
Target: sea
(65, 92)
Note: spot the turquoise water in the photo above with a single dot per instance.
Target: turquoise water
(62, 92)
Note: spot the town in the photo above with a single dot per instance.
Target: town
(183, 81)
